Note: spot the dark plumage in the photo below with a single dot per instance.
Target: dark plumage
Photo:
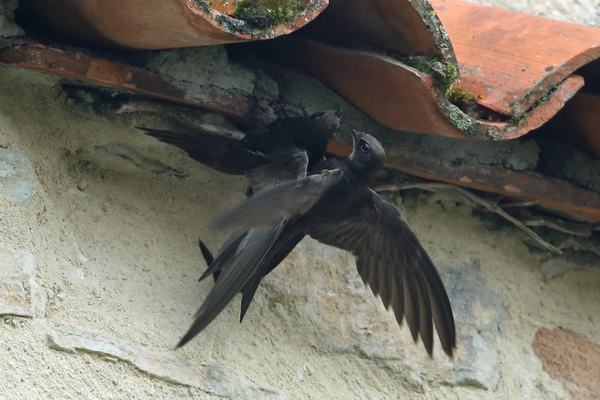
(336, 207)
(285, 150)
(282, 151)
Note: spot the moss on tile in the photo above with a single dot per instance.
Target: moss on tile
(444, 74)
(265, 13)
(461, 96)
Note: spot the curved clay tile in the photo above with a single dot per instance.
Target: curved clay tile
(405, 98)
(581, 118)
(157, 24)
(511, 60)
(402, 27)
(516, 70)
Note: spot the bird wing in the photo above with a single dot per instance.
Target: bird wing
(213, 146)
(276, 254)
(282, 165)
(226, 253)
(247, 254)
(393, 263)
(242, 260)
(281, 201)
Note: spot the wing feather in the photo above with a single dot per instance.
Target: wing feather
(283, 165)
(398, 296)
(393, 263)
(411, 305)
(281, 201)
(242, 263)
(425, 322)
(214, 146)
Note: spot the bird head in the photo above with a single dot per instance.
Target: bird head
(368, 154)
(327, 121)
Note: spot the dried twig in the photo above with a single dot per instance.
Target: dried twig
(521, 204)
(570, 228)
(472, 199)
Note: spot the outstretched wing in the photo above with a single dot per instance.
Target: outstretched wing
(242, 255)
(281, 201)
(213, 146)
(393, 263)
(274, 257)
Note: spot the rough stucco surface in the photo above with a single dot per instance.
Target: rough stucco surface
(101, 236)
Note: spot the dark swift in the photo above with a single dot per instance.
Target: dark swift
(240, 243)
(287, 149)
(269, 156)
(228, 249)
(337, 207)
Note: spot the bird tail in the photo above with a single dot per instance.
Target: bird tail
(249, 253)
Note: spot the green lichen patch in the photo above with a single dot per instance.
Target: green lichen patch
(265, 13)
(203, 5)
(516, 120)
(233, 25)
(459, 119)
(436, 29)
(467, 102)
(444, 74)
(495, 136)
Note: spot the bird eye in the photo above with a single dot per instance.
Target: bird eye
(364, 146)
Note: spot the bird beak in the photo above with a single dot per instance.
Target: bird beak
(355, 134)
